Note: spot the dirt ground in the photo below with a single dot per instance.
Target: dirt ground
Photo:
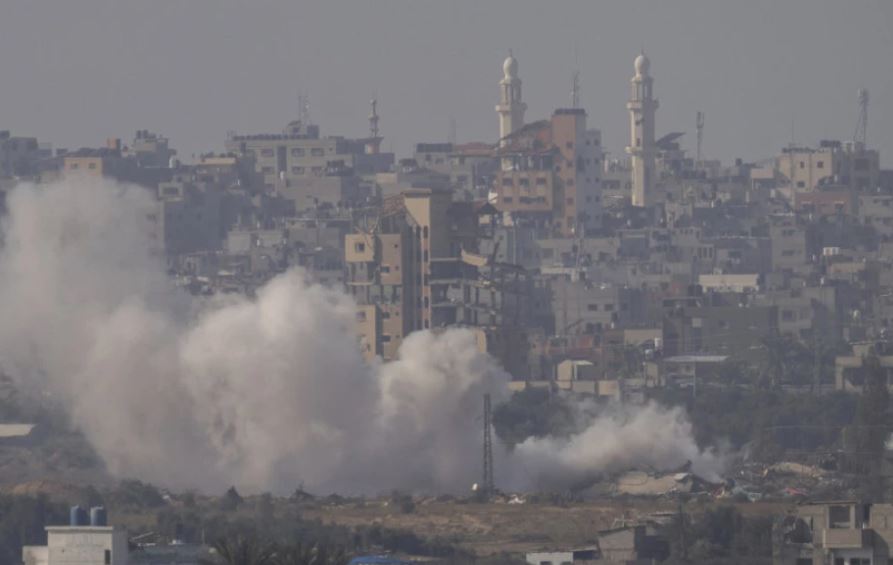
(515, 528)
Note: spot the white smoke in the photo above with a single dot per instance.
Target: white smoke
(265, 393)
(616, 440)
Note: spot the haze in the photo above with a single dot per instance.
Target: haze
(75, 73)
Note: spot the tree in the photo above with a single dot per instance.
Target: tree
(307, 554)
(241, 551)
(231, 500)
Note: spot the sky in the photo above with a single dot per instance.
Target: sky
(75, 72)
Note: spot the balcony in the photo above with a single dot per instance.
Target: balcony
(850, 538)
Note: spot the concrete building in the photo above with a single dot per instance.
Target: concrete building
(550, 174)
(511, 107)
(18, 155)
(788, 242)
(413, 265)
(469, 167)
(580, 306)
(631, 545)
(642, 151)
(851, 165)
(844, 532)
(151, 150)
(85, 541)
(299, 153)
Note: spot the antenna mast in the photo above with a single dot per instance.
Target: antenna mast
(373, 119)
(487, 484)
(304, 108)
(861, 135)
(700, 125)
(575, 78)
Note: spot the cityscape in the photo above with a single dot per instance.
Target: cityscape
(302, 345)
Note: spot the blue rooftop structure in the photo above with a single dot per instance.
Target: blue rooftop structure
(378, 560)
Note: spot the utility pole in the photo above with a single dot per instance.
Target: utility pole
(487, 483)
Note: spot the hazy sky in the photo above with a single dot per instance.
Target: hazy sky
(74, 72)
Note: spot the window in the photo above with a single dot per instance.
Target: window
(297, 152)
(839, 517)
(91, 166)
(802, 165)
(820, 164)
(385, 338)
(385, 269)
(73, 166)
(801, 184)
(570, 201)
(541, 181)
(317, 152)
(108, 557)
(524, 181)
(507, 181)
(592, 307)
(297, 170)
(359, 247)
(507, 200)
(267, 170)
(361, 316)
(267, 152)
(609, 307)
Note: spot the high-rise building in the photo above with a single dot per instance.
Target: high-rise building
(550, 174)
(510, 108)
(642, 106)
(413, 265)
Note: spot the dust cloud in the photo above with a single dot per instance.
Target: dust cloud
(265, 393)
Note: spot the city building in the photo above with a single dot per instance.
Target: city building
(87, 540)
(841, 532)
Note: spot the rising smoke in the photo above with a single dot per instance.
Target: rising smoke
(265, 393)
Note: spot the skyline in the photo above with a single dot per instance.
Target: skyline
(129, 65)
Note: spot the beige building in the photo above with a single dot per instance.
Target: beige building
(550, 173)
(838, 532)
(851, 165)
(414, 265)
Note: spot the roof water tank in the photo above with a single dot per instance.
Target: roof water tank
(98, 516)
(78, 517)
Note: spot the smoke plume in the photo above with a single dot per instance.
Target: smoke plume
(265, 393)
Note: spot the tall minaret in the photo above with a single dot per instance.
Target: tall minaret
(510, 107)
(642, 106)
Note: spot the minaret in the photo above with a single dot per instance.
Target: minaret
(642, 106)
(510, 107)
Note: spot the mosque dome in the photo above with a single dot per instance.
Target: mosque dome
(510, 67)
(643, 65)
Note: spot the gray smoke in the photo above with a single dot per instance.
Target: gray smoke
(266, 393)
